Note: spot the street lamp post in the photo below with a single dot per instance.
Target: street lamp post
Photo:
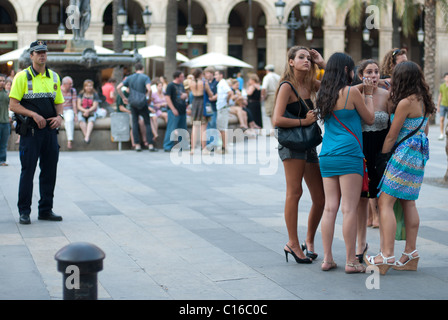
(250, 30)
(61, 28)
(189, 28)
(122, 18)
(294, 24)
(420, 32)
(366, 35)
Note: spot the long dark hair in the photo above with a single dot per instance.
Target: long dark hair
(335, 78)
(408, 79)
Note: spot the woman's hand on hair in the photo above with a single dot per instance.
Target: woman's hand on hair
(317, 58)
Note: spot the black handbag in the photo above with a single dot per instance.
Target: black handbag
(382, 159)
(300, 138)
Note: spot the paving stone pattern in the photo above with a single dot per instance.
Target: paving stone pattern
(199, 231)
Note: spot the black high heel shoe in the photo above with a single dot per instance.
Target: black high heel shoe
(361, 256)
(298, 260)
(310, 254)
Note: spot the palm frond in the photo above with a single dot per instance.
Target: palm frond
(356, 13)
(442, 5)
(319, 8)
(410, 13)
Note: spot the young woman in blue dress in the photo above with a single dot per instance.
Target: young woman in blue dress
(342, 107)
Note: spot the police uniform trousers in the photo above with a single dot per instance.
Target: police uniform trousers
(42, 145)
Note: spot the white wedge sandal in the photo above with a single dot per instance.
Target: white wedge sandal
(410, 264)
(383, 266)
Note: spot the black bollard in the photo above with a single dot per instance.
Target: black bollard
(80, 263)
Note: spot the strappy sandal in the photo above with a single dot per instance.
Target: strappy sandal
(332, 264)
(410, 264)
(384, 266)
(310, 254)
(361, 256)
(359, 268)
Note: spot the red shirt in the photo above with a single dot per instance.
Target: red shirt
(107, 89)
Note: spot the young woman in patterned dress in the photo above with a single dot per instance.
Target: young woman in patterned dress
(411, 104)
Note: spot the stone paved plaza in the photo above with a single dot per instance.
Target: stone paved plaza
(200, 230)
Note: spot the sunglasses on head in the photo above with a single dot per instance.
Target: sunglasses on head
(396, 52)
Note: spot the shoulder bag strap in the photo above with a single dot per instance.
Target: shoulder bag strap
(296, 93)
(395, 146)
(347, 129)
(294, 89)
(408, 136)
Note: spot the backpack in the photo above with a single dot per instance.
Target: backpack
(136, 98)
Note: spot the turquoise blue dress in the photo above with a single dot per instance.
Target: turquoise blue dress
(404, 172)
(341, 153)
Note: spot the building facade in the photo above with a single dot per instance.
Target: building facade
(218, 26)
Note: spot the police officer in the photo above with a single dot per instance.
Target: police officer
(36, 99)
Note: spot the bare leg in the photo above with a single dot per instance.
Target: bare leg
(388, 225)
(332, 201)
(154, 127)
(315, 186)
(194, 135)
(203, 135)
(363, 208)
(412, 222)
(223, 138)
(83, 127)
(294, 170)
(89, 130)
(373, 212)
(351, 185)
(442, 125)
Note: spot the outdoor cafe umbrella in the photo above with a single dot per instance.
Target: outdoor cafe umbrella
(12, 55)
(15, 54)
(157, 52)
(215, 59)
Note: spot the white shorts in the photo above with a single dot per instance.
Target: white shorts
(222, 119)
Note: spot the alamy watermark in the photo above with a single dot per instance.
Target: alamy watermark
(73, 280)
(373, 280)
(373, 18)
(73, 20)
(260, 151)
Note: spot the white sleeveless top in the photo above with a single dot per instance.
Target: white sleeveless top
(381, 122)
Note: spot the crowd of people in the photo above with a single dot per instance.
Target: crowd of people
(206, 96)
(370, 112)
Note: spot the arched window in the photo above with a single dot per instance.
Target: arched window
(49, 17)
(8, 18)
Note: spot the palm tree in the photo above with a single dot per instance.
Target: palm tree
(170, 40)
(406, 11)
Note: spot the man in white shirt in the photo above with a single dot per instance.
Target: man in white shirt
(224, 93)
(268, 89)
